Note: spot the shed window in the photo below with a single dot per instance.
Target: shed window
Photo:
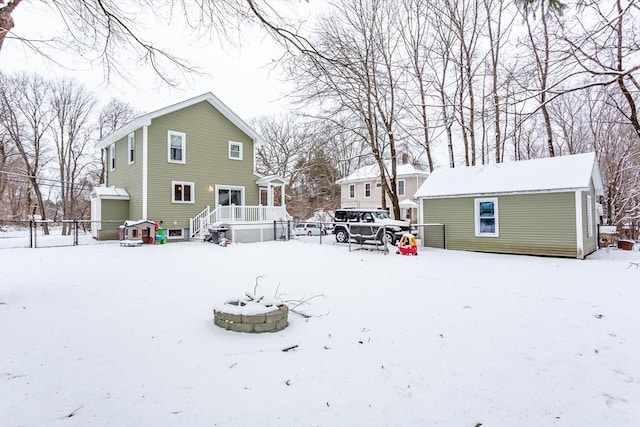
(182, 192)
(177, 146)
(486, 217)
(367, 189)
(352, 191)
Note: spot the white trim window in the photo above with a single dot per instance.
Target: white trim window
(352, 191)
(401, 187)
(176, 147)
(235, 150)
(132, 148)
(486, 217)
(112, 157)
(589, 216)
(182, 192)
(367, 190)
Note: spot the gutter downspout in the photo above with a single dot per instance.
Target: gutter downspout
(145, 169)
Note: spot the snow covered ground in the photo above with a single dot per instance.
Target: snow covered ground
(103, 335)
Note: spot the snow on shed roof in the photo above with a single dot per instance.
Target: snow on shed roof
(372, 172)
(527, 176)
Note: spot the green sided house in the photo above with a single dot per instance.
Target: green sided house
(534, 207)
(191, 168)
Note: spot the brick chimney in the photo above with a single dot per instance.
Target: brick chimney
(405, 158)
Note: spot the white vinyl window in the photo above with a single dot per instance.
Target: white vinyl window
(182, 192)
(112, 157)
(177, 147)
(367, 189)
(589, 216)
(235, 150)
(132, 148)
(352, 191)
(486, 217)
(401, 187)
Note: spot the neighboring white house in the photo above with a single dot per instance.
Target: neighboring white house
(363, 189)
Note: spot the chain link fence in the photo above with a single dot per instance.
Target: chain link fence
(47, 234)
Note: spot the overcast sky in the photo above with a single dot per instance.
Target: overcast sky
(239, 73)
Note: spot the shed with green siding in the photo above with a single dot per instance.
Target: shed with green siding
(532, 207)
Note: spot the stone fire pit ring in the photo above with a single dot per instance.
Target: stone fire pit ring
(252, 316)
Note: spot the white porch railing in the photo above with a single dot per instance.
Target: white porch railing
(235, 215)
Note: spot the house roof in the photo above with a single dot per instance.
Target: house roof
(568, 173)
(372, 173)
(145, 120)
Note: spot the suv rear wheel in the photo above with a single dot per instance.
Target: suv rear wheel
(390, 239)
(341, 235)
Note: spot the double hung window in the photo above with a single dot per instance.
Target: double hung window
(177, 147)
(132, 148)
(486, 217)
(235, 150)
(182, 192)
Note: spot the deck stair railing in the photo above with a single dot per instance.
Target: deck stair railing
(199, 224)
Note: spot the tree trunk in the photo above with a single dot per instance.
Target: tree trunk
(6, 21)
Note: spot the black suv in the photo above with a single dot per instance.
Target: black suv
(367, 222)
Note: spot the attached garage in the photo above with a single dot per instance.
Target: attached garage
(534, 207)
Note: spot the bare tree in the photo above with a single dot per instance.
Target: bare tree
(496, 34)
(464, 17)
(72, 106)
(25, 118)
(110, 32)
(302, 152)
(414, 24)
(540, 35)
(604, 48)
(440, 63)
(354, 81)
(113, 115)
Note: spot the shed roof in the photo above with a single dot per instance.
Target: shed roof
(145, 119)
(568, 173)
(372, 172)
